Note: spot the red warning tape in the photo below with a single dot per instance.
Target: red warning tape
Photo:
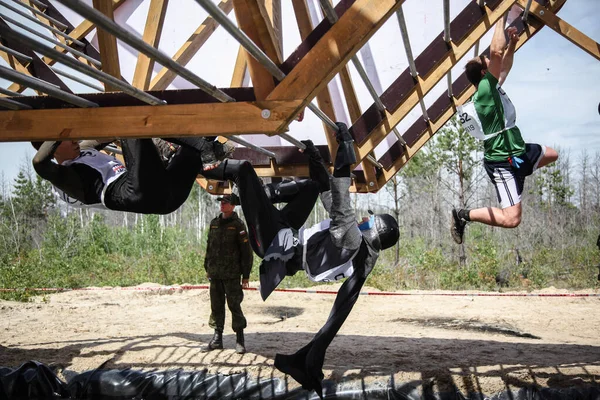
(310, 291)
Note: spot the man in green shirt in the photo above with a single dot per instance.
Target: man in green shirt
(507, 158)
(228, 257)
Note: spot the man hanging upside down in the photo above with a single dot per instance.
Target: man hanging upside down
(334, 249)
(143, 185)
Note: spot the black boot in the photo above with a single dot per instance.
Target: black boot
(217, 340)
(240, 346)
(204, 146)
(282, 192)
(345, 156)
(316, 166)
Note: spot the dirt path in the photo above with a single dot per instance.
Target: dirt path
(486, 344)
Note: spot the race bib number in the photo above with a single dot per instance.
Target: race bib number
(467, 116)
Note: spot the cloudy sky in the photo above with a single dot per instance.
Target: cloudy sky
(554, 85)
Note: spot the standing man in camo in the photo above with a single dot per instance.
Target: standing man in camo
(228, 259)
(491, 117)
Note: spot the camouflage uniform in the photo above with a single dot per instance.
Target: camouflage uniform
(228, 255)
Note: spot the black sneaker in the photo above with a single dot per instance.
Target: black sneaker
(457, 229)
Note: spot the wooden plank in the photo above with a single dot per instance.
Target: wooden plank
(239, 70)
(564, 29)
(107, 43)
(255, 24)
(189, 49)
(271, 9)
(329, 55)
(152, 32)
(395, 115)
(145, 121)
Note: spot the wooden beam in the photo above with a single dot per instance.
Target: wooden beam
(331, 53)
(189, 49)
(271, 12)
(564, 29)
(107, 43)
(257, 26)
(152, 32)
(209, 119)
(393, 117)
(239, 70)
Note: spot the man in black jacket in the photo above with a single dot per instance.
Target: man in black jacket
(331, 250)
(143, 185)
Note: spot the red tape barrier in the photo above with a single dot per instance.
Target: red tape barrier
(310, 291)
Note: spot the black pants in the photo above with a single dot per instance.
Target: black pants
(148, 187)
(306, 365)
(263, 219)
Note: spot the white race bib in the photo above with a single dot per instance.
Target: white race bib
(467, 115)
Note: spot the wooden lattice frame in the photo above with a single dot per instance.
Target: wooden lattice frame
(308, 70)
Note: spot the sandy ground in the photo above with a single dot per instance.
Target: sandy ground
(484, 344)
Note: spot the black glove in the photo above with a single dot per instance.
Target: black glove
(343, 135)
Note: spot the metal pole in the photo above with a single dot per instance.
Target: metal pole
(526, 12)
(329, 11)
(333, 18)
(113, 149)
(77, 79)
(39, 4)
(13, 105)
(406, 41)
(219, 16)
(81, 67)
(293, 141)
(38, 12)
(44, 87)
(480, 3)
(55, 42)
(373, 161)
(111, 27)
(37, 21)
(448, 39)
(322, 116)
(447, 21)
(10, 93)
(409, 55)
(245, 143)
(16, 53)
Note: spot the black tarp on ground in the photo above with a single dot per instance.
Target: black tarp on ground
(34, 380)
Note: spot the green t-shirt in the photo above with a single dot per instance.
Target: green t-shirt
(496, 113)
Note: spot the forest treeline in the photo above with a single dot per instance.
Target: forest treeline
(45, 243)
